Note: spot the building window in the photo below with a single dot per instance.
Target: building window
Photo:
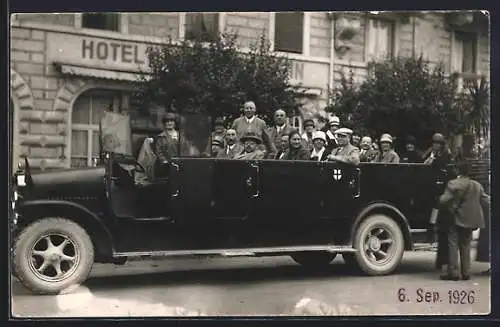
(101, 21)
(380, 39)
(288, 32)
(87, 112)
(465, 48)
(202, 26)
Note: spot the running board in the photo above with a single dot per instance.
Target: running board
(244, 252)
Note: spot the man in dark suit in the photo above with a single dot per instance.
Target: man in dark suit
(232, 148)
(279, 129)
(464, 197)
(250, 123)
(284, 147)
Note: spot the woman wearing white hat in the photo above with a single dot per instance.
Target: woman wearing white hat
(386, 154)
(319, 152)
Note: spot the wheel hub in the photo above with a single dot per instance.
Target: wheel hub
(374, 243)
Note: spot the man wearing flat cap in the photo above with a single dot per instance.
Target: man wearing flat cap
(251, 141)
(345, 152)
(250, 123)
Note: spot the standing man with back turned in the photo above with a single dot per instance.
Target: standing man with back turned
(464, 197)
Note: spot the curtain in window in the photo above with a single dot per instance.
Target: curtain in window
(469, 54)
(85, 117)
(379, 39)
(458, 55)
(464, 53)
(204, 25)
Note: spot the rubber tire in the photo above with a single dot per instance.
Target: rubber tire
(30, 234)
(314, 259)
(363, 263)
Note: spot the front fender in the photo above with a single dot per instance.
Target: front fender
(32, 210)
(388, 209)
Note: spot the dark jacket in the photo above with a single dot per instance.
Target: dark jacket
(276, 137)
(386, 157)
(297, 154)
(227, 153)
(411, 157)
(469, 213)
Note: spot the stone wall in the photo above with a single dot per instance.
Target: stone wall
(41, 129)
(249, 26)
(321, 36)
(56, 19)
(162, 25)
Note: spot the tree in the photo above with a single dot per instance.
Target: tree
(400, 96)
(216, 77)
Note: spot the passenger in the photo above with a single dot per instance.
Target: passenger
(279, 129)
(367, 152)
(439, 155)
(296, 149)
(250, 123)
(345, 152)
(218, 132)
(356, 139)
(319, 152)
(284, 147)
(232, 147)
(251, 152)
(412, 154)
(333, 125)
(309, 127)
(386, 154)
(167, 142)
(217, 146)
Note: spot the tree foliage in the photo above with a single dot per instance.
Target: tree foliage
(401, 96)
(216, 77)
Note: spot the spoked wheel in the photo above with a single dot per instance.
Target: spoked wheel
(52, 254)
(313, 258)
(380, 244)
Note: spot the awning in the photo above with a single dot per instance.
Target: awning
(68, 69)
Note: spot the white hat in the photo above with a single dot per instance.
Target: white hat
(319, 135)
(344, 131)
(334, 120)
(386, 138)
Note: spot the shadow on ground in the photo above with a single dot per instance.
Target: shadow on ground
(248, 275)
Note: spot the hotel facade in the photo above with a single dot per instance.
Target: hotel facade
(66, 69)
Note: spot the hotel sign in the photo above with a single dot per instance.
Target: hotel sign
(96, 52)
